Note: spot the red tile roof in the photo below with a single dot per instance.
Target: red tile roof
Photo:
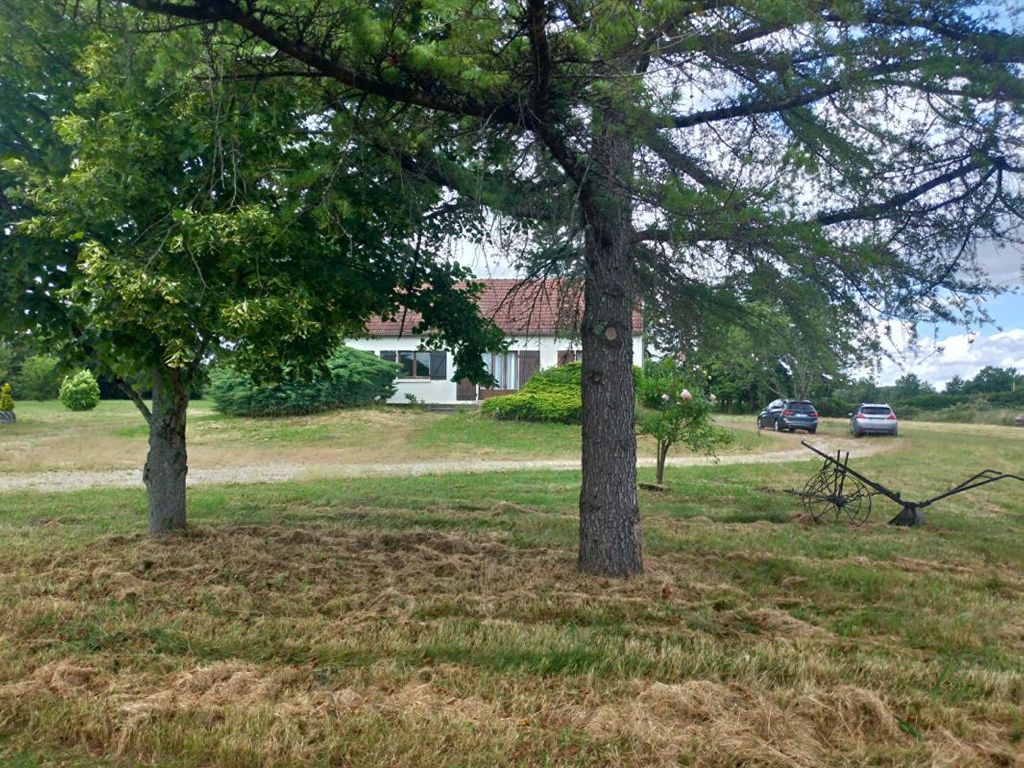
(542, 308)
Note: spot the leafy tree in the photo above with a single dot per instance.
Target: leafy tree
(38, 378)
(860, 147)
(859, 391)
(765, 349)
(672, 413)
(180, 211)
(991, 379)
(955, 386)
(6, 363)
(908, 385)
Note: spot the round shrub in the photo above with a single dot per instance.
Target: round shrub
(354, 378)
(80, 392)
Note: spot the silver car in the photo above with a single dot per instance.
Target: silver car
(874, 419)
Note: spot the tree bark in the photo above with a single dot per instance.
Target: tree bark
(167, 461)
(610, 536)
(662, 455)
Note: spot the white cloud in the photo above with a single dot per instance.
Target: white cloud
(1003, 264)
(961, 355)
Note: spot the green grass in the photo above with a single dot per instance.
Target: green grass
(439, 620)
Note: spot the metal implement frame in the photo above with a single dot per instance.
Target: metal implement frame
(828, 490)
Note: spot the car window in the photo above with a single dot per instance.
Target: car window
(775, 404)
(802, 407)
(876, 410)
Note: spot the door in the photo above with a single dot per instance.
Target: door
(465, 390)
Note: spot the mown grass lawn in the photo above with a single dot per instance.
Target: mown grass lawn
(439, 620)
(49, 437)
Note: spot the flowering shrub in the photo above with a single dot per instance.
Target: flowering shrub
(671, 413)
(80, 392)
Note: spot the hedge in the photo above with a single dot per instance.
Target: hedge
(354, 378)
(933, 401)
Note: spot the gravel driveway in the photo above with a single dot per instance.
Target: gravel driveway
(49, 482)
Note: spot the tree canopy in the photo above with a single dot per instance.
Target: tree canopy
(160, 208)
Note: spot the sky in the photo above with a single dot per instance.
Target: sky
(947, 350)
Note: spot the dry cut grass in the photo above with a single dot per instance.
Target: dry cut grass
(288, 645)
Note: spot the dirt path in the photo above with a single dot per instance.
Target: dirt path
(49, 482)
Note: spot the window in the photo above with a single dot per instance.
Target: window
(569, 356)
(801, 406)
(511, 370)
(504, 369)
(414, 364)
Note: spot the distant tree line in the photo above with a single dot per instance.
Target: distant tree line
(768, 352)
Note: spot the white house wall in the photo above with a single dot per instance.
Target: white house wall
(444, 391)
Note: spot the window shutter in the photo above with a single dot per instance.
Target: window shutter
(391, 357)
(439, 365)
(529, 364)
(563, 356)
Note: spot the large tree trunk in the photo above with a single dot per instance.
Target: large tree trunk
(610, 541)
(167, 462)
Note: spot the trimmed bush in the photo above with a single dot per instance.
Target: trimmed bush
(560, 405)
(38, 378)
(355, 378)
(6, 405)
(550, 395)
(80, 392)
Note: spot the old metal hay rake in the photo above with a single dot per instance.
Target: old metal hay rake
(838, 490)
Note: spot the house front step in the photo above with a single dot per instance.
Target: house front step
(451, 407)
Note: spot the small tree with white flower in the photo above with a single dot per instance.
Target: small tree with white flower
(672, 408)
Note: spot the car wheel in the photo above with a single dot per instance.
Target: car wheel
(778, 427)
(895, 433)
(792, 430)
(812, 431)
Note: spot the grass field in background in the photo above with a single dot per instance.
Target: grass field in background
(439, 620)
(47, 437)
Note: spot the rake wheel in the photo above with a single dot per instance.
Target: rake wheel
(834, 493)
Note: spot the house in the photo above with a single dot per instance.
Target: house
(538, 318)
